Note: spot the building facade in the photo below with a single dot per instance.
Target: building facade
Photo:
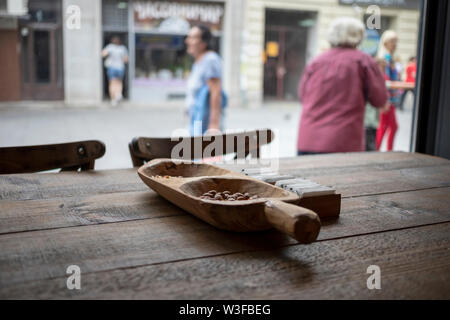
(265, 44)
(295, 31)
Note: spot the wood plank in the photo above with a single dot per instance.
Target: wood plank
(51, 185)
(83, 206)
(414, 264)
(67, 184)
(349, 183)
(18, 216)
(361, 160)
(370, 182)
(46, 254)
(377, 213)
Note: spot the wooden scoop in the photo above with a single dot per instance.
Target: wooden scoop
(184, 182)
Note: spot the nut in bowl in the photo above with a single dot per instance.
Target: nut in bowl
(227, 196)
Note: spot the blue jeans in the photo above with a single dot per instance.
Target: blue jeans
(114, 73)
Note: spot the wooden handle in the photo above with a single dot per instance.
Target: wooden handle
(299, 223)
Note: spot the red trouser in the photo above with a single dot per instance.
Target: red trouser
(387, 121)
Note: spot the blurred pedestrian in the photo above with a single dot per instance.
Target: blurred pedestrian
(411, 70)
(116, 56)
(205, 99)
(334, 89)
(388, 119)
(372, 116)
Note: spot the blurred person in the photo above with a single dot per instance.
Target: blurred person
(388, 119)
(333, 91)
(205, 98)
(372, 116)
(116, 56)
(411, 70)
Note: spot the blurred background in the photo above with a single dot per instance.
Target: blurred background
(53, 85)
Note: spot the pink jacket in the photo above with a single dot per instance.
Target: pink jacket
(334, 90)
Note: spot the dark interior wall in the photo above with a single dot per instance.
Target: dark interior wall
(9, 68)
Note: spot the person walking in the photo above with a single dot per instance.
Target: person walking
(205, 98)
(116, 56)
(388, 119)
(334, 89)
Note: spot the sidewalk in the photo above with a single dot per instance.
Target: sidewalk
(27, 123)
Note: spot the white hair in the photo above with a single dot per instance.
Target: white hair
(385, 37)
(346, 32)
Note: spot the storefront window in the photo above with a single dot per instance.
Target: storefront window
(161, 64)
(161, 57)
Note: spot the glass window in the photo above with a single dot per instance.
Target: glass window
(44, 11)
(42, 56)
(161, 57)
(164, 56)
(3, 5)
(115, 15)
(288, 34)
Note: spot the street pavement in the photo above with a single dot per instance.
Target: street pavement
(28, 123)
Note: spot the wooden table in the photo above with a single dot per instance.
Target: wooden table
(130, 243)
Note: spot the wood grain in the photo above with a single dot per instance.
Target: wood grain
(46, 254)
(67, 184)
(75, 199)
(19, 216)
(130, 243)
(324, 270)
(32, 215)
(352, 183)
(324, 169)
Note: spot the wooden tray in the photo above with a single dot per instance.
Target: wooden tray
(183, 182)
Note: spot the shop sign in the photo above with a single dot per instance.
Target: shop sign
(177, 16)
(272, 49)
(400, 4)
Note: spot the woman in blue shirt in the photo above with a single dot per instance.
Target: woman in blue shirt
(205, 99)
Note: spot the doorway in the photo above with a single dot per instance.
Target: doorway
(288, 46)
(107, 36)
(41, 52)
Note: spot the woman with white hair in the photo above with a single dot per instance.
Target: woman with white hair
(388, 119)
(333, 91)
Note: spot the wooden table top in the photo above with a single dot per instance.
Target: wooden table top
(131, 243)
